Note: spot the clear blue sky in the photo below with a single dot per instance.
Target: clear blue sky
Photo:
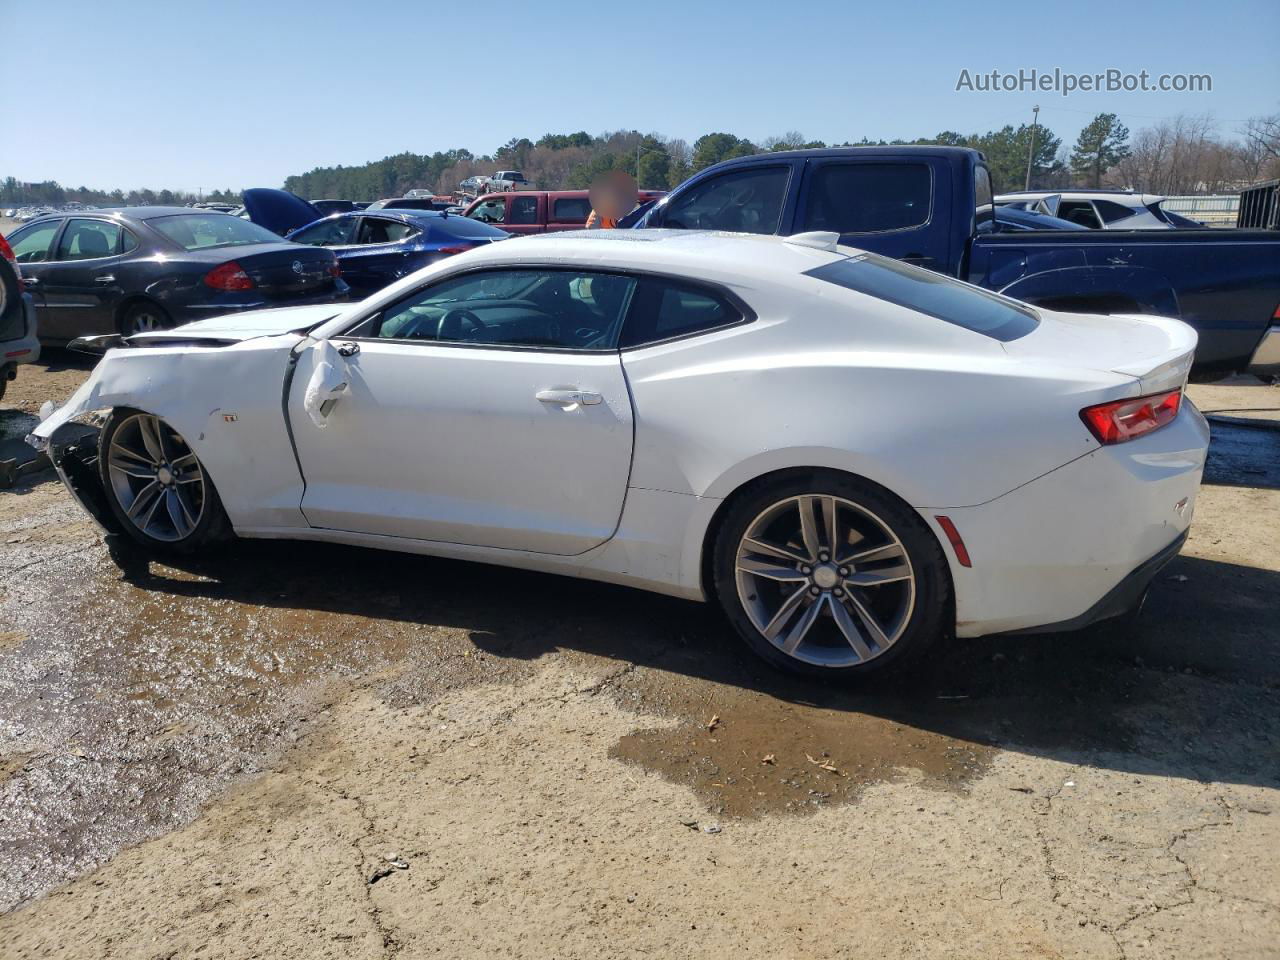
(187, 93)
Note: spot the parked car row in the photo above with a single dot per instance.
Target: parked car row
(539, 211)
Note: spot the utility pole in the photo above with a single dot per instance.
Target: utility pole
(1031, 149)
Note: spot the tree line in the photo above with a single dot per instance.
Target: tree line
(14, 193)
(1180, 155)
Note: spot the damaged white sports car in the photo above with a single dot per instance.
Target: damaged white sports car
(852, 456)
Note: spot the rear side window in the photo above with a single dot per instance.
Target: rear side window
(744, 201)
(1111, 211)
(88, 240)
(378, 230)
(868, 197)
(930, 293)
(664, 309)
(571, 209)
(523, 210)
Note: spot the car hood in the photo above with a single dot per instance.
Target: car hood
(236, 327)
(278, 210)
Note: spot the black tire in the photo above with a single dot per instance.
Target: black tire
(918, 607)
(208, 521)
(142, 315)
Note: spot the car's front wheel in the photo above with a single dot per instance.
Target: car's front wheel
(826, 575)
(156, 486)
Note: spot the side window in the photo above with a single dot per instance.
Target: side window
(557, 309)
(869, 197)
(327, 233)
(745, 201)
(31, 244)
(1081, 212)
(128, 242)
(491, 211)
(1111, 211)
(88, 240)
(524, 210)
(570, 210)
(378, 230)
(668, 308)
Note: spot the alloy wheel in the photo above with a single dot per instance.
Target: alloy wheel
(156, 478)
(825, 580)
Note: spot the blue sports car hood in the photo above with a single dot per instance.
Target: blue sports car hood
(278, 210)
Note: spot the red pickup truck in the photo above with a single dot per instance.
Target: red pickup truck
(539, 211)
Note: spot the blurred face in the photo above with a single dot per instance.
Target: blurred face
(613, 195)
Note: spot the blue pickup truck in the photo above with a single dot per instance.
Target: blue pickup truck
(932, 206)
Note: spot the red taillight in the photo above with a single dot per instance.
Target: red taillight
(6, 252)
(229, 276)
(335, 269)
(1123, 420)
(449, 251)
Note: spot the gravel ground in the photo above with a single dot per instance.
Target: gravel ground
(320, 752)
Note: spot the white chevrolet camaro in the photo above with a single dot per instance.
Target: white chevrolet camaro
(852, 456)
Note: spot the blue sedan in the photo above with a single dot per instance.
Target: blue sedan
(374, 248)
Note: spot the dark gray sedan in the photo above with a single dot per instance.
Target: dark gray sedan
(142, 268)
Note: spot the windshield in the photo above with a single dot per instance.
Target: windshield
(203, 231)
(931, 293)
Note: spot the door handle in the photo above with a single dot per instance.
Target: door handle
(30, 281)
(105, 278)
(567, 397)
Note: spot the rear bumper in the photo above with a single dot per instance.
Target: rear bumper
(1266, 358)
(25, 348)
(1080, 543)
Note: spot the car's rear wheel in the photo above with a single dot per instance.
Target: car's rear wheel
(143, 316)
(156, 486)
(826, 575)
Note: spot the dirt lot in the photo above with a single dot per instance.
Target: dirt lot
(307, 752)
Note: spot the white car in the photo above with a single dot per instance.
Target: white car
(1099, 209)
(852, 456)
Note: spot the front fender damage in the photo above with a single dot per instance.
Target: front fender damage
(73, 446)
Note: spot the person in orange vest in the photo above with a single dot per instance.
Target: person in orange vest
(613, 196)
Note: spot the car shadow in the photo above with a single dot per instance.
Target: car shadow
(59, 359)
(1189, 690)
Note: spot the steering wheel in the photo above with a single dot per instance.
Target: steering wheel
(450, 326)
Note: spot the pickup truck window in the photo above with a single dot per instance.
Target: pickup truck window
(868, 197)
(985, 213)
(571, 210)
(742, 201)
(930, 293)
(523, 210)
(491, 211)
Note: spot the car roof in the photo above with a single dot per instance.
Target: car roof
(136, 213)
(860, 151)
(731, 258)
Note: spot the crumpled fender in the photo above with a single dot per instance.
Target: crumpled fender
(224, 401)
